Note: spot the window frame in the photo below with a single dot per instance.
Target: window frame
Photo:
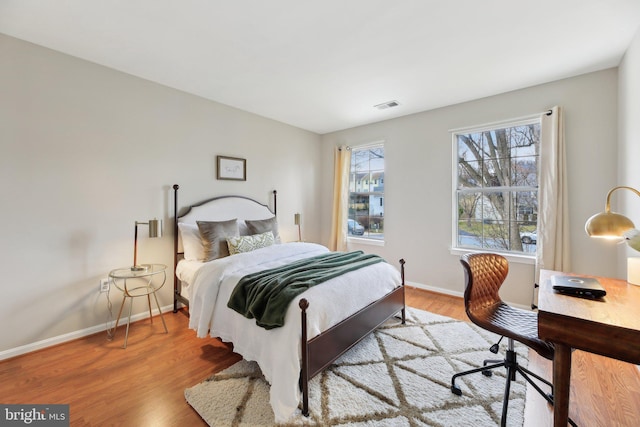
(455, 249)
(365, 239)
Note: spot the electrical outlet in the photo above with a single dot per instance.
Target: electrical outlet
(104, 285)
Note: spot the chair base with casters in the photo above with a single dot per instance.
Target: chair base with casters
(510, 362)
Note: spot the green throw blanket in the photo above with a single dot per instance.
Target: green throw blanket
(265, 295)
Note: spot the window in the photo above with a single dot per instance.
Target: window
(496, 187)
(366, 192)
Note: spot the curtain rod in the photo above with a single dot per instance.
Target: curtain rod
(377, 143)
(501, 122)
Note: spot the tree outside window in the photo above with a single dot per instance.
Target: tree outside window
(496, 187)
(366, 193)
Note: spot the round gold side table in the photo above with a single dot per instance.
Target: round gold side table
(138, 283)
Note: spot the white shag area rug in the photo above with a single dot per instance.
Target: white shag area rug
(398, 376)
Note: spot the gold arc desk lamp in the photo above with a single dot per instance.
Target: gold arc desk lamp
(614, 226)
(607, 224)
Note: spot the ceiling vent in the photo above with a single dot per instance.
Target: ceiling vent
(388, 104)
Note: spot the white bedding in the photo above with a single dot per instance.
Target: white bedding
(185, 271)
(277, 351)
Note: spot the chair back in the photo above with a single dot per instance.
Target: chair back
(484, 275)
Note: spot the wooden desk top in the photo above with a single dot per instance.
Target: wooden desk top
(609, 326)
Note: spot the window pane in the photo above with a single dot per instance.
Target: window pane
(487, 217)
(524, 140)
(498, 220)
(359, 161)
(524, 171)
(470, 174)
(470, 146)
(469, 233)
(366, 197)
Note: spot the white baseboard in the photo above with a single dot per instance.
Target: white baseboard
(455, 293)
(18, 351)
(435, 289)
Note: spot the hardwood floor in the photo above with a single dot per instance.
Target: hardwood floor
(144, 384)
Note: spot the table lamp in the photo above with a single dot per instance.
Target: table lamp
(296, 221)
(607, 224)
(611, 225)
(155, 230)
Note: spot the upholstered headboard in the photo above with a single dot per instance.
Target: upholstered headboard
(217, 209)
(226, 208)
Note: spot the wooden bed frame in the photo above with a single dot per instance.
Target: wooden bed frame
(319, 352)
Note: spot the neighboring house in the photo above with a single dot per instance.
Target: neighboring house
(371, 203)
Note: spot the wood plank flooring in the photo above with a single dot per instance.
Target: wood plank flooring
(144, 384)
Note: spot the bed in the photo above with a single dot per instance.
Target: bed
(316, 330)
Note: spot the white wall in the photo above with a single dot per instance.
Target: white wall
(629, 141)
(85, 151)
(418, 193)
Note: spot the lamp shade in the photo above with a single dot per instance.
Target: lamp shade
(296, 221)
(608, 225)
(155, 228)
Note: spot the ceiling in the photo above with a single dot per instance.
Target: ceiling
(323, 65)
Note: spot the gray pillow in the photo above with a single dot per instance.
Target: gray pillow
(214, 237)
(260, 226)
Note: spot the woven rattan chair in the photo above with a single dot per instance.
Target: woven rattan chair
(484, 275)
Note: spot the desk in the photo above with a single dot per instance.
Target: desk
(609, 327)
(144, 282)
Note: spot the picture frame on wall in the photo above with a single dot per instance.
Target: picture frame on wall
(232, 168)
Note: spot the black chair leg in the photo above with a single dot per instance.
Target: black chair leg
(505, 399)
(457, 390)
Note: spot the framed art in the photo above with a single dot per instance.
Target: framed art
(232, 168)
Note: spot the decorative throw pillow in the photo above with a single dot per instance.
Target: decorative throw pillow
(242, 228)
(214, 237)
(241, 244)
(191, 242)
(260, 226)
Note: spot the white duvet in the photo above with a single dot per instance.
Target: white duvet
(277, 351)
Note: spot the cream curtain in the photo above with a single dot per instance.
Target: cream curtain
(553, 215)
(342, 164)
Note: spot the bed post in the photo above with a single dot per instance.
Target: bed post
(304, 368)
(404, 305)
(275, 202)
(175, 246)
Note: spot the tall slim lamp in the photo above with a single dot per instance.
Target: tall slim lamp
(296, 221)
(155, 230)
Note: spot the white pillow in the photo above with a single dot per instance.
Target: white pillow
(191, 242)
(239, 244)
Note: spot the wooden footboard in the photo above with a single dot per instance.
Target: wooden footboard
(321, 351)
